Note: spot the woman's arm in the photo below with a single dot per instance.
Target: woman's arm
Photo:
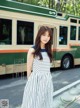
(30, 58)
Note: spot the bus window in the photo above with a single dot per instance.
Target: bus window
(73, 20)
(73, 33)
(25, 32)
(79, 34)
(63, 30)
(5, 31)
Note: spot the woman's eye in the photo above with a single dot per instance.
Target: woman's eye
(44, 35)
(48, 36)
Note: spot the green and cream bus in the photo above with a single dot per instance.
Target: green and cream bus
(19, 23)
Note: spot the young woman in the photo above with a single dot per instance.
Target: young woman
(38, 92)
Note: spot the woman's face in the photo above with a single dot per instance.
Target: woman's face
(45, 37)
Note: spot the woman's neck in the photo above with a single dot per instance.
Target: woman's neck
(42, 46)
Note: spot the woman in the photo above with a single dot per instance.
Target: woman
(38, 92)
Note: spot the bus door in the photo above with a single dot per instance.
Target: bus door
(54, 41)
(54, 45)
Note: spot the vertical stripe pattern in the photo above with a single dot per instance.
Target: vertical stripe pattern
(38, 91)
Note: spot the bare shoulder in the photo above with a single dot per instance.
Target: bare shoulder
(31, 50)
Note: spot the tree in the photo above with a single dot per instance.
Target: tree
(66, 6)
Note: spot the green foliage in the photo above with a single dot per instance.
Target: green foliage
(66, 6)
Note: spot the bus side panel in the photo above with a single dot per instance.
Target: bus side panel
(12, 62)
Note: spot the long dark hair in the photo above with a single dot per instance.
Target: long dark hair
(37, 52)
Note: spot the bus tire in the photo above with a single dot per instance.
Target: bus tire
(66, 62)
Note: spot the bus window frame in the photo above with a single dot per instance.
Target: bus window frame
(76, 32)
(20, 20)
(67, 36)
(6, 18)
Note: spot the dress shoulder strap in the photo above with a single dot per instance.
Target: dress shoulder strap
(34, 46)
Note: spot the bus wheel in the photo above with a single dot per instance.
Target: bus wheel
(66, 62)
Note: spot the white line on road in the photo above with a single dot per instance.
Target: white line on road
(65, 88)
(16, 83)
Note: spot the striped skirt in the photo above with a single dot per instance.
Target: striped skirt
(38, 91)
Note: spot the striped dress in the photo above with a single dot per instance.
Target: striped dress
(38, 91)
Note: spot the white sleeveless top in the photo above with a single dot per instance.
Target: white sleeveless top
(42, 66)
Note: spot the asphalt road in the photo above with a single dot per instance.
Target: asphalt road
(12, 88)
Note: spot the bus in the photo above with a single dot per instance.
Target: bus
(19, 23)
